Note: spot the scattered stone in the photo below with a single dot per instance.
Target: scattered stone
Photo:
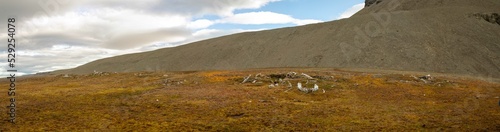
(307, 90)
(307, 76)
(316, 87)
(299, 86)
(424, 79)
(427, 77)
(245, 79)
(291, 74)
(259, 75)
(264, 101)
(237, 115)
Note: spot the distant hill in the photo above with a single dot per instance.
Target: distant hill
(445, 36)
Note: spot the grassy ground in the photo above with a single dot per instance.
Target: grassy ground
(218, 101)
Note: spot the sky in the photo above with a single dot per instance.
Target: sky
(61, 34)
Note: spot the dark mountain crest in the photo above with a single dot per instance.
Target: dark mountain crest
(371, 2)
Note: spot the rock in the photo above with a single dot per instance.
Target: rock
(245, 79)
(371, 2)
(291, 74)
(307, 76)
(427, 77)
(264, 101)
(493, 18)
(236, 115)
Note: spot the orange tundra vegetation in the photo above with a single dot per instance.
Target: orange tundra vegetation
(219, 101)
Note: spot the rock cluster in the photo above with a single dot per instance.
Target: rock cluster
(371, 2)
(490, 17)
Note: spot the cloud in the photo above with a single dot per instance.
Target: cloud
(29, 8)
(100, 28)
(306, 21)
(258, 18)
(61, 57)
(199, 24)
(3, 73)
(132, 40)
(264, 17)
(48, 39)
(204, 7)
(61, 34)
(351, 11)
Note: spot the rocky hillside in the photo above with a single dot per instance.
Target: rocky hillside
(444, 36)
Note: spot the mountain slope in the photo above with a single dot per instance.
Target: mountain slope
(427, 35)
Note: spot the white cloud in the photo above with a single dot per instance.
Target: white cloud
(351, 11)
(60, 34)
(29, 8)
(103, 28)
(61, 57)
(258, 18)
(206, 32)
(3, 72)
(134, 40)
(199, 24)
(307, 21)
(264, 17)
(204, 7)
